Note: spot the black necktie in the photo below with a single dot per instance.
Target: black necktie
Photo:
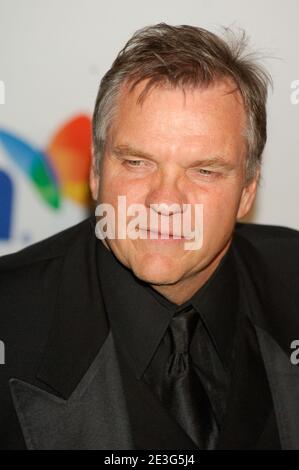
(181, 390)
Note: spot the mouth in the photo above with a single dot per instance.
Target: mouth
(159, 235)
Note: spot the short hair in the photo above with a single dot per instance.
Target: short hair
(186, 56)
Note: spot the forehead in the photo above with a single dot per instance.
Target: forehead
(189, 116)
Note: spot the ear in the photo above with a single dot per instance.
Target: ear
(248, 196)
(94, 179)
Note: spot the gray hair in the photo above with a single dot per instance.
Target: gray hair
(185, 56)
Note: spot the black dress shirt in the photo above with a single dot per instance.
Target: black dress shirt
(139, 317)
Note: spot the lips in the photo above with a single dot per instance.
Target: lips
(164, 234)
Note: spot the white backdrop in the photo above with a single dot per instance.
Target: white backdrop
(54, 52)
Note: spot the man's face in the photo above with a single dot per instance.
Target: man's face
(183, 149)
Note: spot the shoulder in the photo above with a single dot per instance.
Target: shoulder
(276, 244)
(29, 277)
(29, 286)
(271, 251)
(48, 249)
(270, 256)
(258, 233)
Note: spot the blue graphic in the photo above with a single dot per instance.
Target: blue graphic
(6, 201)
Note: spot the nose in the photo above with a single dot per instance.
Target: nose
(165, 195)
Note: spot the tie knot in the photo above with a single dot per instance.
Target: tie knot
(182, 327)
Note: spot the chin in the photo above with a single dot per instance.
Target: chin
(157, 269)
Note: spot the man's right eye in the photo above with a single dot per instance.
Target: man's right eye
(137, 164)
(134, 162)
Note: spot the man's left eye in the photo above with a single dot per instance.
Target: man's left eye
(135, 163)
(205, 172)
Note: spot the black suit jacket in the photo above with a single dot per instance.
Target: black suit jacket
(63, 385)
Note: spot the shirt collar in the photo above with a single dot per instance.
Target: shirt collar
(139, 316)
(218, 303)
(137, 320)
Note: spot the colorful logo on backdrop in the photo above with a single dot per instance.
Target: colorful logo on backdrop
(57, 172)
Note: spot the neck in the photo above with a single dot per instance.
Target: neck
(184, 289)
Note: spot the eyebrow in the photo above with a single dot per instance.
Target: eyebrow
(214, 162)
(125, 150)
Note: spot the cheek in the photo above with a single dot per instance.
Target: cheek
(220, 207)
(114, 184)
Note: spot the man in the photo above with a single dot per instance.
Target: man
(139, 341)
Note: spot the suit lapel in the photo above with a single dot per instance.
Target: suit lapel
(93, 417)
(80, 325)
(273, 314)
(249, 402)
(74, 401)
(284, 382)
(109, 409)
